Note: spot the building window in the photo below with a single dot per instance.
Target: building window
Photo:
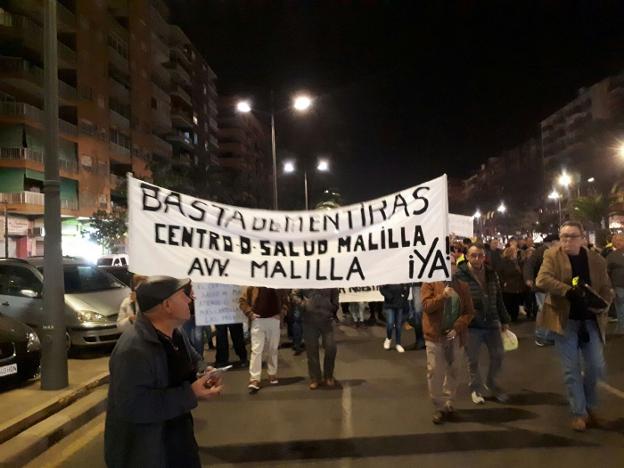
(205, 90)
(195, 119)
(206, 145)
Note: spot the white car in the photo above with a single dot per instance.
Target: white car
(113, 260)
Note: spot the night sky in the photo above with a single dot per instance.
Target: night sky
(405, 90)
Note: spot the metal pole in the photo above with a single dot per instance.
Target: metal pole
(560, 219)
(6, 229)
(54, 349)
(274, 154)
(305, 188)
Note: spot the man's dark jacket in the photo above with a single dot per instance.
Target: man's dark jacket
(140, 402)
(488, 303)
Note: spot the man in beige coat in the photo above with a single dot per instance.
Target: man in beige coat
(579, 329)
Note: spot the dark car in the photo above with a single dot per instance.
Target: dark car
(20, 352)
(119, 272)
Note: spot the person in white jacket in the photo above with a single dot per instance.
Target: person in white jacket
(128, 307)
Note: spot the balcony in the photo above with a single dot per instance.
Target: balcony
(36, 158)
(30, 35)
(66, 20)
(213, 141)
(118, 61)
(180, 93)
(213, 124)
(161, 147)
(119, 120)
(158, 14)
(179, 53)
(119, 153)
(120, 91)
(33, 114)
(180, 75)
(180, 139)
(180, 118)
(160, 77)
(29, 78)
(160, 51)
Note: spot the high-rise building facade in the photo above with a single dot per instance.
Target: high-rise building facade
(134, 95)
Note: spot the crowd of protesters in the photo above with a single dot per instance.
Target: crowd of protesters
(563, 283)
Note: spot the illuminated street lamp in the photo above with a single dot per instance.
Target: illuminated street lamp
(591, 180)
(321, 166)
(301, 103)
(477, 214)
(501, 208)
(564, 180)
(620, 150)
(554, 195)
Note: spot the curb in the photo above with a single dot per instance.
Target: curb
(36, 439)
(34, 415)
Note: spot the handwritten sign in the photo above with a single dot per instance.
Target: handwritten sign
(217, 304)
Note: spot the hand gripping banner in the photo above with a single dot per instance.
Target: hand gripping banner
(399, 238)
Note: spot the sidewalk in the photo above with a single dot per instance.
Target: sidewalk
(34, 419)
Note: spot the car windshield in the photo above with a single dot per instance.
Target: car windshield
(105, 261)
(87, 278)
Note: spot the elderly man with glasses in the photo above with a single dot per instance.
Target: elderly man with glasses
(578, 293)
(154, 382)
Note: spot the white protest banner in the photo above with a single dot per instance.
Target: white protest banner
(399, 238)
(460, 225)
(217, 304)
(361, 294)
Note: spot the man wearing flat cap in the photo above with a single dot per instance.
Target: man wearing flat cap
(153, 383)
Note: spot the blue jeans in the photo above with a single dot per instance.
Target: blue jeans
(619, 308)
(581, 386)
(542, 334)
(414, 318)
(394, 320)
(494, 343)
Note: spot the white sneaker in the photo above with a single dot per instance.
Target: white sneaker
(399, 348)
(477, 398)
(387, 343)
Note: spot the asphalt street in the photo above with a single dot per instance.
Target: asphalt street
(381, 416)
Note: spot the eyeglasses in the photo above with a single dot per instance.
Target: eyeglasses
(188, 290)
(477, 255)
(565, 237)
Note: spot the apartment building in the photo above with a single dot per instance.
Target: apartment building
(134, 94)
(579, 136)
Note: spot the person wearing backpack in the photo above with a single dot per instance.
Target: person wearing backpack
(448, 310)
(319, 307)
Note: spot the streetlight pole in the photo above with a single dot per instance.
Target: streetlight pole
(6, 229)
(274, 155)
(54, 346)
(301, 103)
(305, 187)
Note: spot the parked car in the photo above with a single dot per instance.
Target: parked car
(119, 272)
(92, 298)
(20, 351)
(113, 260)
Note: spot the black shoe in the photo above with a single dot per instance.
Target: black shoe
(438, 417)
(298, 352)
(242, 364)
(216, 365)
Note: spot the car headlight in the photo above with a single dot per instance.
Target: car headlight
(33, 342)
(90, 316)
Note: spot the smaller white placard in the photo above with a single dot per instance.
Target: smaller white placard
(361, 294)
(217, 304)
